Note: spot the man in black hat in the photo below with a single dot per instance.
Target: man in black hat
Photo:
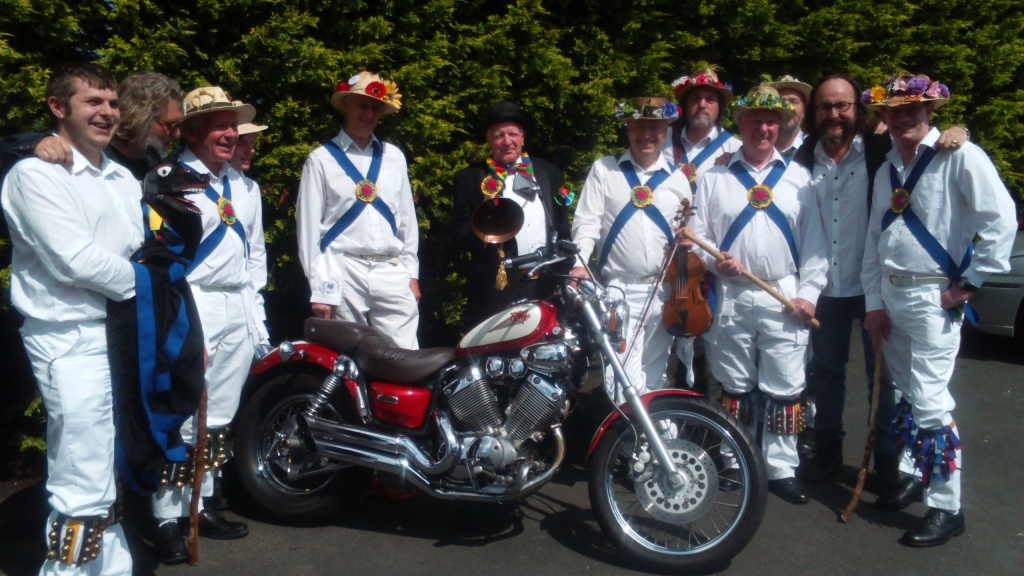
(534, 184)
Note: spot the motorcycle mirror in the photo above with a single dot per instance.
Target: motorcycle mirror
(497, 220)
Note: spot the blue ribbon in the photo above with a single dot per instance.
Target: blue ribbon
(772, 210)
(706, 153)
(630, 209)
(353, 173)
(210, 243)
(930, 244)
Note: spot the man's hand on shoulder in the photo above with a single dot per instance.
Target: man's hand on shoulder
(55, 150)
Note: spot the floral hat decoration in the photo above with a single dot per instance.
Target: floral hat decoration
(369, 85)
(897, 90)
(788, 82)
(762, 97)
(645, 108)
(703, 77)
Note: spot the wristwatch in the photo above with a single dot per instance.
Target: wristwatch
(965, 284)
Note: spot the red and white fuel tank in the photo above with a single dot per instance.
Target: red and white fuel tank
(510, 329)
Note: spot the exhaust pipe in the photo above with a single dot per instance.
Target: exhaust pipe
(399, 455)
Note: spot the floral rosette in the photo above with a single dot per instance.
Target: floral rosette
(759, 196)
(226, 210)
(900, 200)
(565, 196)
(366, 191)
(641, 196)
(491, 186)
(689, 169)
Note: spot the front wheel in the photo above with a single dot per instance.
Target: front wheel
(698, 526)
(277, 470)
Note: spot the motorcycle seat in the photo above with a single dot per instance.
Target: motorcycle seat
(337, 335)
(381, 360)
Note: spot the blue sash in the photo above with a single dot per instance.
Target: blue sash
(210, 243)
(917, 228)
(716, 144)
(630, 209)
(357, 208)
(771, 210)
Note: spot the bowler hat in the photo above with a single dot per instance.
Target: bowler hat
(504, 111)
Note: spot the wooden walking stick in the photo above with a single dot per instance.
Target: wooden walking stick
(197, 484)
(748, 275)
(870, 444)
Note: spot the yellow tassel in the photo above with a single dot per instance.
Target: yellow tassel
(501, 280)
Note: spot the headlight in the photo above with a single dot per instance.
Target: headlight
(614, 320)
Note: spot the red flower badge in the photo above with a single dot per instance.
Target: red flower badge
(376, 89)
(759, 196)
(342, 87)
(642, 196)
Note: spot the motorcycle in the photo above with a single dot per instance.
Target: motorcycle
(677, 484)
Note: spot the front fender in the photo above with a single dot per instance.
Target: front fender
(645, 399)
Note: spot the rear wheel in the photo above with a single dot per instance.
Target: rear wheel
(698, 526)
(277, 471)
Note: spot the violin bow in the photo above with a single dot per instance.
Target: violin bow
(748, 275)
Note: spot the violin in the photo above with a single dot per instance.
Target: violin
(686, 313)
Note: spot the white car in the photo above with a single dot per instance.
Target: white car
(999, 300)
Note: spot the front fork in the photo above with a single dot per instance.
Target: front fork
(672, 474)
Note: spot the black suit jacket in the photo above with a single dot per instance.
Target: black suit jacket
(483, 299)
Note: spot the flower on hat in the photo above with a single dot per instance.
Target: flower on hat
(376, 89)
(651, 108)
(900, 89)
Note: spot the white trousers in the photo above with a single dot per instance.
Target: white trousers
(69, 361)
(921, 354)
(377, 294)
(753, 345)
(230, 343)
(648, 361)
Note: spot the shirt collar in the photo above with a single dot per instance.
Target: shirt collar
(107, 167)
(715, 131)
(930, 138)
(345, 141)
(192, 161)
(660, 162)
(738, 157)
(856, 150)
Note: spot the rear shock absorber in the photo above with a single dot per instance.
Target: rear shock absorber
(344, 369)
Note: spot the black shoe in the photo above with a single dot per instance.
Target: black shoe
(935, 529)
(218, 501)
(908, 491)
(213, 525)
(827, 460)
(169, 544)
(789, 489)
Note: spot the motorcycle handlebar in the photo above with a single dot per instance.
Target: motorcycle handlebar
(561, 249)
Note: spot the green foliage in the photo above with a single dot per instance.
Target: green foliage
(566, 62)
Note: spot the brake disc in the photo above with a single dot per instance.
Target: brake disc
(693, 498)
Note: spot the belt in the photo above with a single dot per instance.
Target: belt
(651, 279)
(206, 288)
(374, 257)
(904, 281)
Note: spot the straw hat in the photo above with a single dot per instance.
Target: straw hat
(249, 128)
(214, 99)
(369, 85)
(646, 109)
(762, 97)
(897, 90)
(703, 77)
(788, 82)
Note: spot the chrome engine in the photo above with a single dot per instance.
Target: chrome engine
(504, 409)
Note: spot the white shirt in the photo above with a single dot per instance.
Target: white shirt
(798, 141)
(958, 195)
(693, 149)
(761, 247)
(72, 233)
(842, 191)
(227, 266)
(533, 234)
(639, 249)
(326, 193)
(257, 246)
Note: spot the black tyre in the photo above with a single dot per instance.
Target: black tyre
(700, 526)
(280, 476)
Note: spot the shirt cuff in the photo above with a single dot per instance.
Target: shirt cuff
(873, 302)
